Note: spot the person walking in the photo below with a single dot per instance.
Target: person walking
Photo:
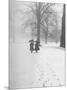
(37, 44)
(31, 45)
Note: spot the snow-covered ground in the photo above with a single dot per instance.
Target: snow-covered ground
(45, 68)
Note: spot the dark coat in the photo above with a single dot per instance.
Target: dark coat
(31, 46)
(37, 47)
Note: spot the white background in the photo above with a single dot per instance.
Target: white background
(4, 23)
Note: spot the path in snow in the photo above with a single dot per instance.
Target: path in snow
(50, 67)
(46, 68)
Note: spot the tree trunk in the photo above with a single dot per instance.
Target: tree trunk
(56, 31)
(38, 22)
(46, 32)
(62, 41)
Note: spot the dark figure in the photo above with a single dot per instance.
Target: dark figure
(37, 46)
(31, 45)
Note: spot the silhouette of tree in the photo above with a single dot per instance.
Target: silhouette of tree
(62, 41)
(38, 13)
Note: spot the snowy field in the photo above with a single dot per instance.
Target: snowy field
(42, 69)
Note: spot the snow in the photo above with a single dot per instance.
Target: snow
(42, 69)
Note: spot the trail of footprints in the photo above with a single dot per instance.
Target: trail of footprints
(46, 76)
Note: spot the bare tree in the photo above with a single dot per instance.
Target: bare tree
(53, 25)
(62, 41)
(40, 13)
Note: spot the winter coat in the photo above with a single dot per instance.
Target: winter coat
(37, 47)
(31, 46)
